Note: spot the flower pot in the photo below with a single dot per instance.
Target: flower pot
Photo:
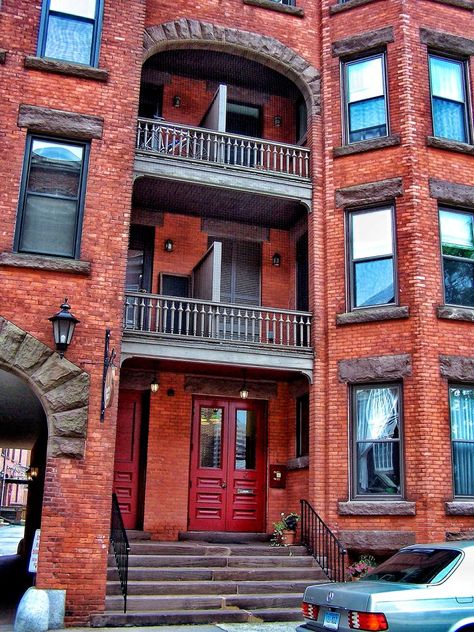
(288, 537)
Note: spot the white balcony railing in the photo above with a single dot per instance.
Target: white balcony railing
(195, 319)
(218, 148)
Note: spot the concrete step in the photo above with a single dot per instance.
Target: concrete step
(135, 534)
(211, 587)
(223, 536)
(216, 561)
(201, 548)
(219, 574)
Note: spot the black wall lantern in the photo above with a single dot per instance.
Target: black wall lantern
(64, 324)
(168, 245)
(276, 260)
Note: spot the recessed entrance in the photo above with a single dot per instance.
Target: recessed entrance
(227, 476)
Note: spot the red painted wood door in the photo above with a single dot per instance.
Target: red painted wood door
(127, 456)
(227, 481)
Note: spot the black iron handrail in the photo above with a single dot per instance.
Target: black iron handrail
(321, 542)
(121, 547)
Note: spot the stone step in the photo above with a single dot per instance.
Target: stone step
(223, 536)
(135, 534)
(198, 548)
(219, 574)
(151, 603)
(204, 561)
(211, 587)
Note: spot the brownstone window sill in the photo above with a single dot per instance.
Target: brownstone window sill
(376, 508)
(450, 145)
(367, 145)
(42, 262)
(451, 312)
(337, 8)
(3, 56)
(299, 463)
(460, 508)
(276, 6)
(372, 314)
(66, 68)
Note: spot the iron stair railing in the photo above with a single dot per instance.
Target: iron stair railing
(121, 547)
(322, 544)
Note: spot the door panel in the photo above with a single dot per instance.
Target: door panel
(227, 486)
(127, 456)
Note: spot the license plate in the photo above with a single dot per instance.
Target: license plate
(331, 620)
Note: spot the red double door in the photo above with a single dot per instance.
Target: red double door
(227, 475)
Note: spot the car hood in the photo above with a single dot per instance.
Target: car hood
(361, 596)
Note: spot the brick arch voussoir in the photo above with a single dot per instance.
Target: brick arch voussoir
(186, 33)
(61, 386)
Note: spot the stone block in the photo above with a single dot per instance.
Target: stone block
(373, 369)
(72, 423)
(11, 338)
(57, 608)
(54, 372)
(70, 395)
(457, 368)
(32, 614)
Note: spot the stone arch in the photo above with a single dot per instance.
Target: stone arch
(260, 48)
(62, 387)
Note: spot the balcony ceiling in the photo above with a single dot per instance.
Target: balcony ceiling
(212, 202)
(222, 68)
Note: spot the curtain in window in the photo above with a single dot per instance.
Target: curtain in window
(462, 433)
(448, 99)
(377, 411)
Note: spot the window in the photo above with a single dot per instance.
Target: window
(457, 245)
(302, 426)
(372, 260)
(52, 197)
(461, 405)
(376, 440)
(70, 30)
(449, 98)
(365, 98)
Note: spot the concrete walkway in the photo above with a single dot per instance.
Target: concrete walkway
(220, 627)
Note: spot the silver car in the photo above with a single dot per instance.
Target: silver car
(423, 587)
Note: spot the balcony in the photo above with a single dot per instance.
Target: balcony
(222, 159)
(203, 331)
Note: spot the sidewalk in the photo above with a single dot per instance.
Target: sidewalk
(289, 626)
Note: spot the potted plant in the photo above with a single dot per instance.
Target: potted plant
(360, 568)
(284, 531)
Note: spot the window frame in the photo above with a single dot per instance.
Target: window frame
(344, 63)
(24, 193)
(302, 426)
(464, 63)
(461, 211)
(353, 469)
(96, 32)
(350, 262)
(452, 386)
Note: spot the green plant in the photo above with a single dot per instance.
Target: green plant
(287, 522)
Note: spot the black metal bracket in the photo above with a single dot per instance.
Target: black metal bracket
(108, 363)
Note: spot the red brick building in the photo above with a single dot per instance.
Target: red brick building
(255, 197)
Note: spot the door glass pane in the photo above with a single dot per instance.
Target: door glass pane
(372, 234)
(245, 439)
(210, 437)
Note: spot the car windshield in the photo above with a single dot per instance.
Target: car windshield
(416, 566)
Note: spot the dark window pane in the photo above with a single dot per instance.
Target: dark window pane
(378, 468)
(373, 281)
(459, 282)
(210, 437)
(55, 169)
(463, 457)
(69, 39)
(245, 440)
(367, 119)
(449, 120)
(302, 426)
(49, 226)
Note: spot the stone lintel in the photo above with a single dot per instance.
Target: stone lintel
(376, 540)
(298, 463)
(457, 536)
(447, 42)
(452, 193)
(43, 262)
(369, 193)
(450, 145)
(362, 42)
(377, 508)
(350, 4)
(376, 368)
(457, 368)
(459, 508)
(275, 6)
(3, 55)
(228, 387)
(372, 314)
(70, 124)
(66, 68)
(367, 145)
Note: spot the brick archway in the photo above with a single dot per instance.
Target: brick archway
(62, 387)
(261, 48)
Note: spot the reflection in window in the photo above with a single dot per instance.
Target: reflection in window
(210, 437)
(372, 258)
(448, 98)
(457, 244)
(461, 402)
(245, 439)
(377, 440)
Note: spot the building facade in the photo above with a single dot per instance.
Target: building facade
(270, 206)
